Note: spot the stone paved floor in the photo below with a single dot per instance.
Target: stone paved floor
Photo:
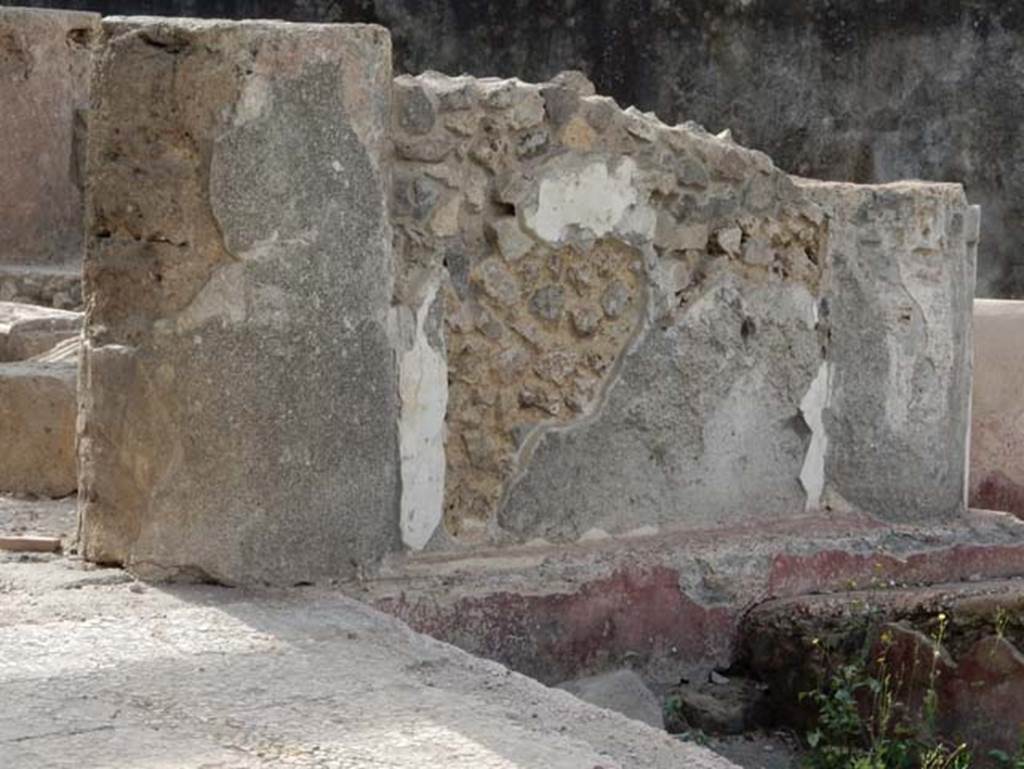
(97, 670)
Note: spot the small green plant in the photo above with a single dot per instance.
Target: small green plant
(1002, 619)
(861, 720)
(1005, 760)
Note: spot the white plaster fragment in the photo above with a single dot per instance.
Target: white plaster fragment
(594, 198)
(423, 389)
(812, 407)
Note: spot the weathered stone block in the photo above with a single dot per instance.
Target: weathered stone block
(37, 427)
(44, 89)
(239, 386)
(27, 330)
(997, 413)
(895, 403)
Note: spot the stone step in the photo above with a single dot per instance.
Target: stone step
(671, 601)
(49, 286)
(961, 639)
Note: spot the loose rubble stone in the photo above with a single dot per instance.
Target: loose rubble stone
(732, 707)
(240, 400)
(622, 691)
(729, 240)
(45, 66)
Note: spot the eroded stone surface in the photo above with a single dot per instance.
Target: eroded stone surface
(997, 413)
(44, 88)
(239, 388)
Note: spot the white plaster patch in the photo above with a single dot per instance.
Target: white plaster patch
(592, 198)
(423, 389)
(812, 407)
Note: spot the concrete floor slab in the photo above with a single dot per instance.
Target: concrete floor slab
(97, 670)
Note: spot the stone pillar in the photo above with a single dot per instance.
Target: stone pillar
(44, 92)
(894, 402)
(239, 385)
(997, 416)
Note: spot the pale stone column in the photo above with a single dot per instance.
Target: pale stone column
(896, 406)
(997, 417)
(239, 386)
(44, 92)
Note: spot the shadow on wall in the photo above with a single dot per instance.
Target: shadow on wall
(863, 93)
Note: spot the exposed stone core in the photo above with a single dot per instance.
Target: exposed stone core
(239, 385)
(650, 326)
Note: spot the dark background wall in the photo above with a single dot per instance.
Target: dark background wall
(859, 90)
